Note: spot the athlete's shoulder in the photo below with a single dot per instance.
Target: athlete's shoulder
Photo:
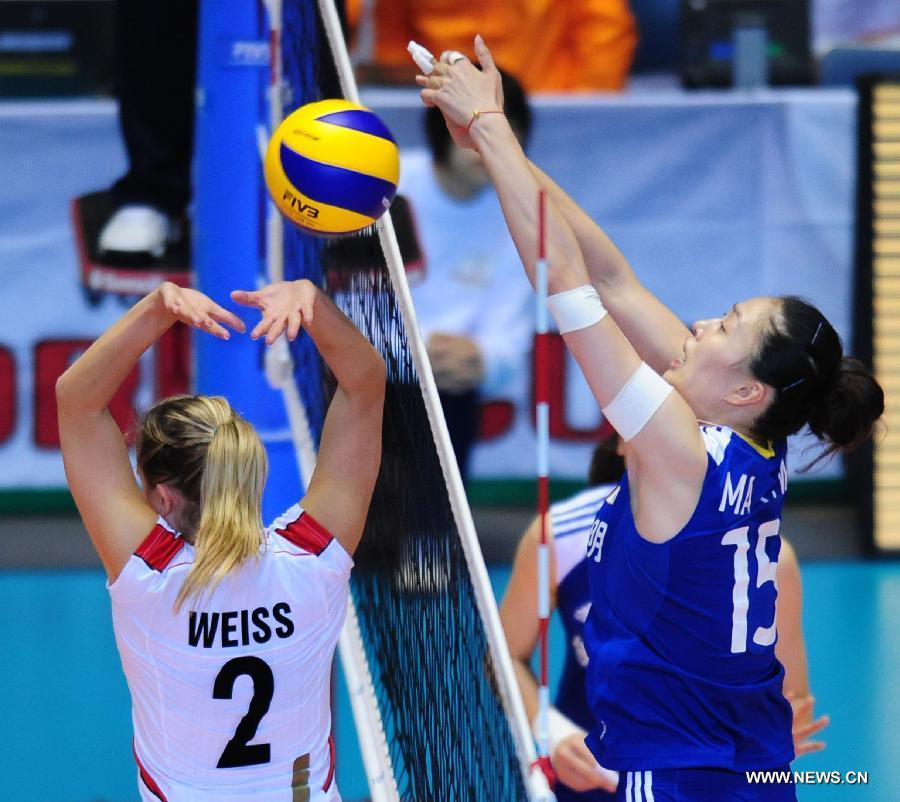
(723, 443)
(162, 554)
(296, 528)
(159, 549)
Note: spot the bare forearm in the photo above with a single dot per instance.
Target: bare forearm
(650, 326)
(517, 188)
(91, 382)
(528, 687)
(355, 363)
(604, 261)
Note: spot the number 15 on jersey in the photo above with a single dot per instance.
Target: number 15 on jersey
(762, 636)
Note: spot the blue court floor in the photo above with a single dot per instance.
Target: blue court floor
(67, 728)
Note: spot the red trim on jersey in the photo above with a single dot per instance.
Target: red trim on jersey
(307, 533)
(330, 776)
(159, 547)
(147, 779)
(546, 767)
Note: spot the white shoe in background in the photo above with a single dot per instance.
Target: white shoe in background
(137, 229)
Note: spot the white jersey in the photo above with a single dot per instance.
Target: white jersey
(231, 695)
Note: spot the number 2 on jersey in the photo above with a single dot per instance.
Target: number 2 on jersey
(763, 636)
(239, 751)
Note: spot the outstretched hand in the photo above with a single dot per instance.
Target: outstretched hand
(459, 89)
(804, 726)
(285, 307)
(197, 310)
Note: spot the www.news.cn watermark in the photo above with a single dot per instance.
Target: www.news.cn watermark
(808, 777)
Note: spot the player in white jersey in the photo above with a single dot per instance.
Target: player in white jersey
(226, 630)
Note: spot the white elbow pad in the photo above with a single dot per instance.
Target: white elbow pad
(576, 309)
(637, 402)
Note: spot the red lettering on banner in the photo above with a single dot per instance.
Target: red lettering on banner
(496, 419)
(559, 426)
(7, 393)
(51, 358)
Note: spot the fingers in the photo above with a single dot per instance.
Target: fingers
(808, 748)
(802, 708)
(433, 81)
(586, 761)
(804, 732)
(820, 724)
(485, 59)
(573, 771)
(801, 734)
(275, 331)
(215, 329)
(261, 328)
(609, 779)
(295, 319)
(451, 57)
(224, 316)
(245, 298)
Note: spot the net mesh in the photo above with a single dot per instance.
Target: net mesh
(431, 667)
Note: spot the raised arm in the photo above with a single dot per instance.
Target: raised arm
(667, 454)
(349, 457)
(649, 325)
(98, 470)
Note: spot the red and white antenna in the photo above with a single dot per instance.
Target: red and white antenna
(542, 425)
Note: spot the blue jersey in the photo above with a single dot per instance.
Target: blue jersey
(571, 522)
(681, 635)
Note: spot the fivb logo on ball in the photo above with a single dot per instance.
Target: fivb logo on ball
(332, 167)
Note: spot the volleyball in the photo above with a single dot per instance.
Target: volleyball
(332, 167)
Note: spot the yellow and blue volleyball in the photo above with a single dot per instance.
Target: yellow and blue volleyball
(332, 167)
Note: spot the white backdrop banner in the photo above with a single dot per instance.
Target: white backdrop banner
(712, 197)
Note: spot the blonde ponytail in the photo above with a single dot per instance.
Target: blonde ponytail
(199, 445)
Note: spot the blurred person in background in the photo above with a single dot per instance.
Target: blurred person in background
(580, 777)
(156, 69)
(203, 595)
(156, 64)
(549, 45)
(473, 306)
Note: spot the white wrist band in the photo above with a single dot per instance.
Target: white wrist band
(643, 394)
(576, 309)
(559, 728)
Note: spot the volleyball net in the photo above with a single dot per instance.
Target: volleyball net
(431, 681)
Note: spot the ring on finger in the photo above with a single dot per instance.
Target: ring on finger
(451, 57)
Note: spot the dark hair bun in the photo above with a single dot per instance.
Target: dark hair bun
(851, 402)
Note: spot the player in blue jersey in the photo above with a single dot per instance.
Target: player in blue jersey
(580, 777)
(682, 679)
